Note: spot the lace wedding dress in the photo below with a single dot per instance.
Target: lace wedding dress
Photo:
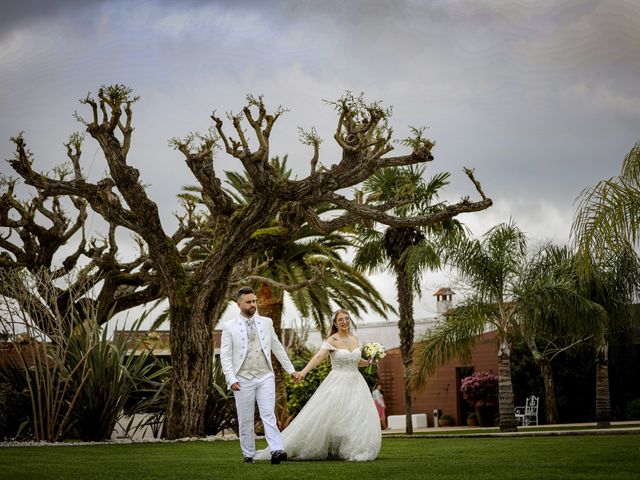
(340, 419)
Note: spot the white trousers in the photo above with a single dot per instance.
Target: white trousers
(263, 392)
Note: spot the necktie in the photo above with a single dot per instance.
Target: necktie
(251, 329)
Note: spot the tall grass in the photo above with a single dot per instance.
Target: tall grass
(41, 366)
(75, 376)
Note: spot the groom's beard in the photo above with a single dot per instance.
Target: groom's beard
(249, 312)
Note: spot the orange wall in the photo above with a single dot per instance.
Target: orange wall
(442, 390)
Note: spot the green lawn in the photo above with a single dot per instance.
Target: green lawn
(569, 457)
(532, 429)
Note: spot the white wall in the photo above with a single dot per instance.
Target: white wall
(386, 333)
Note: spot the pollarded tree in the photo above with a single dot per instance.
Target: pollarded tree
(38, 228)
(197, 296)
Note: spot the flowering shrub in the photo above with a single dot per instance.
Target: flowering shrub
(480, 387)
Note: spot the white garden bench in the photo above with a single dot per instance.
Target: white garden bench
(528, 414)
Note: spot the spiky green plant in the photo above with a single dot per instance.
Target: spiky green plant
(121, 369)
(74, 375)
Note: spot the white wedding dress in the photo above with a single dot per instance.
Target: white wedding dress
(340, 420)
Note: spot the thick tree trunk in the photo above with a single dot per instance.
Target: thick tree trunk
(194, 314)
(406, 326)
(271, 304)
(191, 358)
(603, 398)
(505, 389)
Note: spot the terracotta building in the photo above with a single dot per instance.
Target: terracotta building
(442, 391)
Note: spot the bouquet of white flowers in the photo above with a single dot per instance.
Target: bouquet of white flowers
(373, 352)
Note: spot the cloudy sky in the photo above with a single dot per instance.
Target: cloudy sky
(541, 98)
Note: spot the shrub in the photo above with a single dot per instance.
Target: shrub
(76, 378)
(299, 393)
(116, 376)
(42, 369)
(445, 421)
(479, 388)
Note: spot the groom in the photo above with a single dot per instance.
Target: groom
(245, 355)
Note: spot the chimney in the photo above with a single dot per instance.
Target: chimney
(444, 300)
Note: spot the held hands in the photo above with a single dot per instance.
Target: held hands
(297, 376)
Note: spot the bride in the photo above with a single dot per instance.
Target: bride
(340, 419)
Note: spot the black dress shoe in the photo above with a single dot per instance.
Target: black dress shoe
(248, 459)
(278, 456)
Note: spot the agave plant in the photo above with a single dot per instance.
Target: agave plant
(221, 408)
(121, 369)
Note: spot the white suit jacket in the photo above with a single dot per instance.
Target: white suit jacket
(235, 346)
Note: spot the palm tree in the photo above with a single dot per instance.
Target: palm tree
(503, 298)
(547, 330)
(311, 267)
(608, 215)
(605, 229)
(613, 282)
(404, 251)
(316, 279)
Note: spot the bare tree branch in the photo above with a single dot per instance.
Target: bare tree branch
(289, 288)
(99, 196)
(199, 159)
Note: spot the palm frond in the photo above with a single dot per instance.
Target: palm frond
(550, 301)
(453, 337)
(490, 265)
(418, 258)
(608, 213)
(631, 165)
(370, 254)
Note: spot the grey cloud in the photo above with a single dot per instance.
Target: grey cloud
(509, 88)
(20, 13)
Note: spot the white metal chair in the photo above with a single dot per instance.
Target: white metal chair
(528, 414)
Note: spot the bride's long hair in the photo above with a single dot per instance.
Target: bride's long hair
(334, 326)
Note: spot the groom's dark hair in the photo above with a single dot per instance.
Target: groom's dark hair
(243, 291)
